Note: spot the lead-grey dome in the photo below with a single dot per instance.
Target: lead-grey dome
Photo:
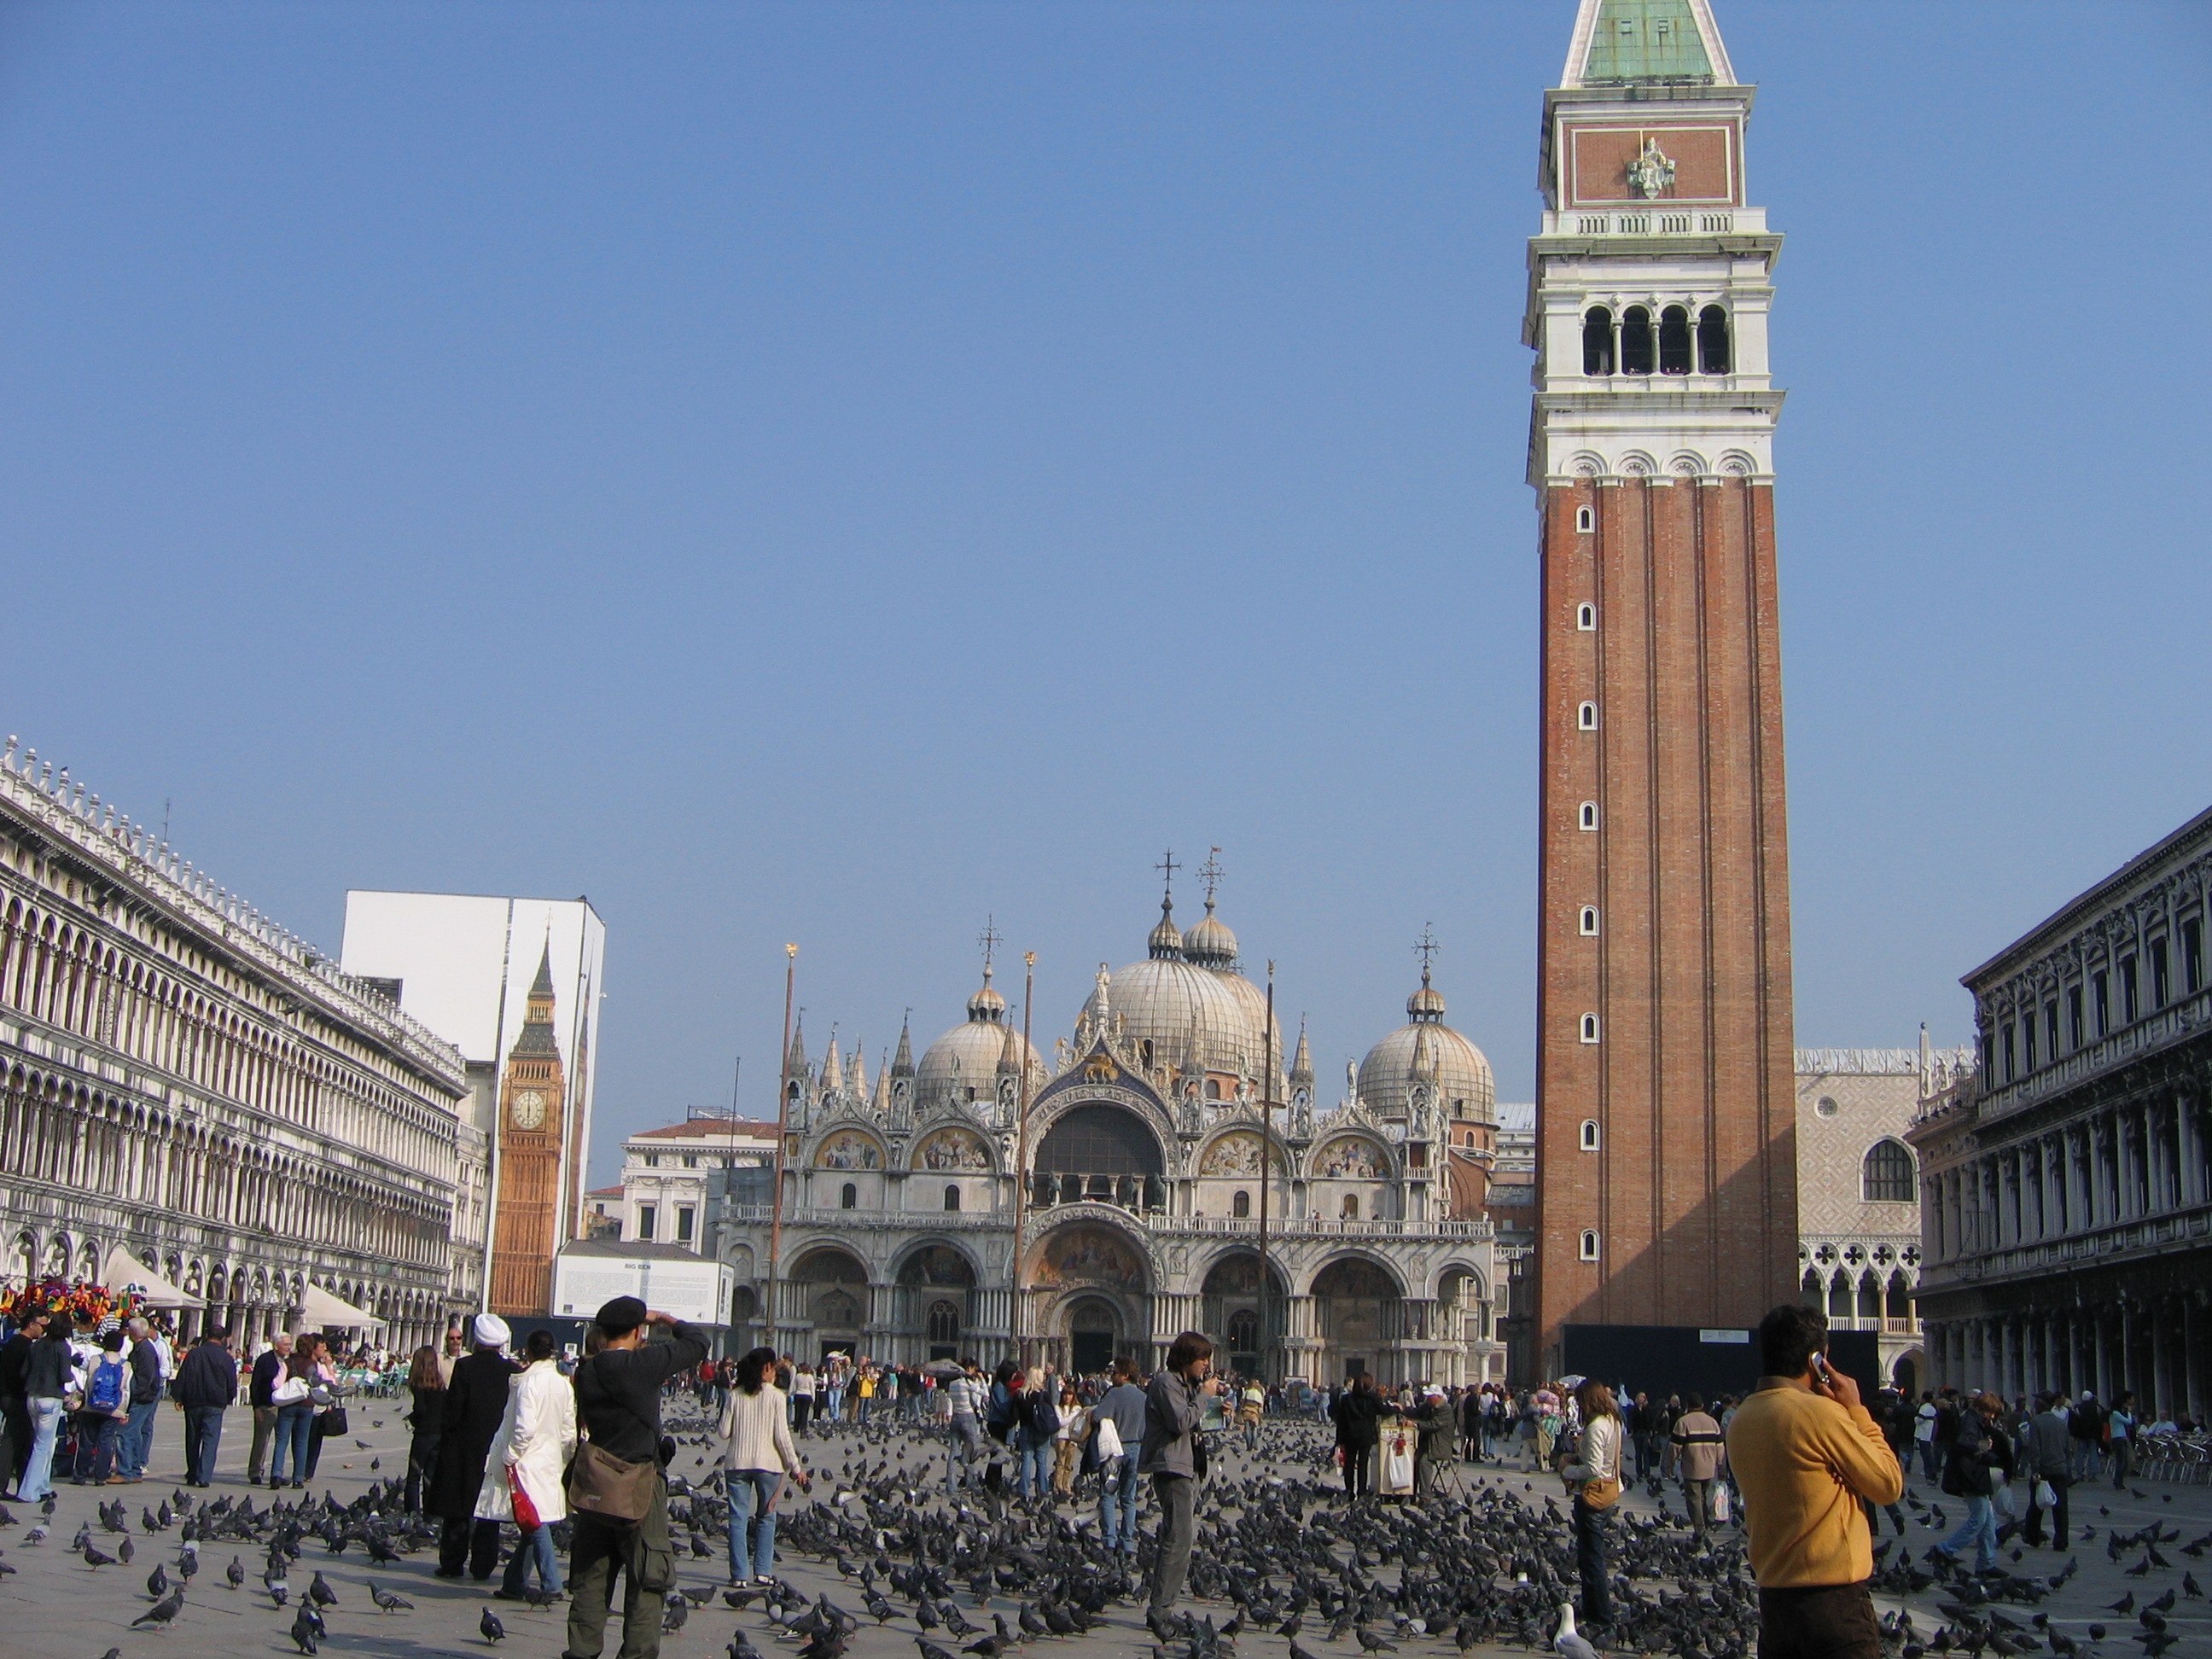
(1425, 1049)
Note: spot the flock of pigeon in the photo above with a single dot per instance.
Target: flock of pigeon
(977, 1575)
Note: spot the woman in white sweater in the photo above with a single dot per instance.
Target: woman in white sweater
(537, 1437)
(759, 1455)
(1594, 1477)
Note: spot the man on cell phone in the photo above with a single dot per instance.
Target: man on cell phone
(1805, 1454)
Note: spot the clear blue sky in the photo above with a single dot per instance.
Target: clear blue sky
(831, 472)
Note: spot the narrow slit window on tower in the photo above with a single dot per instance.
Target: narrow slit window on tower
(1589, 1028)
(1588, 815)
(1589, 921)
(1585, 520)
(1586, 618)
(1635, 342)
(1590, 1135)
(1712, 341)
(1674, 341)
(1586, 717)
(1588, 1252)
(1597, 340)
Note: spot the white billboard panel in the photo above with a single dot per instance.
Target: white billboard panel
(694, 1289)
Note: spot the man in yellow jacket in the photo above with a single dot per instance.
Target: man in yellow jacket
(1805, 1451)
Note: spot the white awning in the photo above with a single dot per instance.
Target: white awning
(320, 1311)
(124, 1270)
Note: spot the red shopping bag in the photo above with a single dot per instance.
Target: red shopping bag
(525, 1512)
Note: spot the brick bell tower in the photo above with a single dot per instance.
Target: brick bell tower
(1667, 1185)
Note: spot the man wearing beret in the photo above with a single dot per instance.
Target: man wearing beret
(618, 1401)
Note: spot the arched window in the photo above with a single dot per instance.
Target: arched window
(1589, 1140)
(1350, 1211)
(1888, 1176)
(952, 1198)
(1839, 1299)
(848, 1198)
(1241, 1205)
(1213, 1088)
(944, 1321)
(1674, 341)
(1589, 815)
(1244, 1333)
(1585, 520)
(1586, 618)
(1712, 341)
(1636, 342)
(1588, 921)
(1589, 1028)
(1869, 1297)
(1597, 340)
(1588, 1252)
(1586, 717)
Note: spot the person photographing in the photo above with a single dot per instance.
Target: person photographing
(1175, 1457)
(1805, 1453)
(617, 1491)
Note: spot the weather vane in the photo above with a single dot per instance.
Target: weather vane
(990, 938)
(1426, 949)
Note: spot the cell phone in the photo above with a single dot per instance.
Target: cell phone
(1821, 1367)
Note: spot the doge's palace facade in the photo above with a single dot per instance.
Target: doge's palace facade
(186, 1080)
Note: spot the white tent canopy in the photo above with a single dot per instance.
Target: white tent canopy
(125, 1270)
(320, 1311)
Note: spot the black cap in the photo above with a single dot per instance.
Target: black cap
(622, 1316)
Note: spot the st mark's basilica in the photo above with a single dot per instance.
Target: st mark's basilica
(1138, 1213)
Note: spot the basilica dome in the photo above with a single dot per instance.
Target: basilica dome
(1171, 1000)
(964, 1065)
(1427, 1049)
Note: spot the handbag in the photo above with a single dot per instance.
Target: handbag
(613, 1488)
(334, 1421)
(525, 1512)
(290, 1392)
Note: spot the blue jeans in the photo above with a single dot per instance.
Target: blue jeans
(294, 1430)
(1592, 1527)
(1036, 1464)
(1980, 1527)
(139, 1439)
(752, 1521)
(46, 1430)
(535, 1549)
(1117, 1505)
(203, 1439)
(960, 1457)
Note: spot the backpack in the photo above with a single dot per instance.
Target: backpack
(1041, 1415)
(106, 1392)
(2085, 1421)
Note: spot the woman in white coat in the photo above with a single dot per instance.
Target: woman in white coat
(535, 1439)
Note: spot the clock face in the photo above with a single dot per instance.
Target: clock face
(529, 1110)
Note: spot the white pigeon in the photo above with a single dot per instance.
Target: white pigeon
(1569, 1640)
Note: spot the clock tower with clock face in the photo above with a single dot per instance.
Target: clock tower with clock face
(532, 1121)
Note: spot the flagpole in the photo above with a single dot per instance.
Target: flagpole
(1015, 1316)
(782, 1123)
(1266, 1166)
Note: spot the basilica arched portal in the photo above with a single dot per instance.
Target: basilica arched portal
(1092, 1293)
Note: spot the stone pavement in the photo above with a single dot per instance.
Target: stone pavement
(53, 1607)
